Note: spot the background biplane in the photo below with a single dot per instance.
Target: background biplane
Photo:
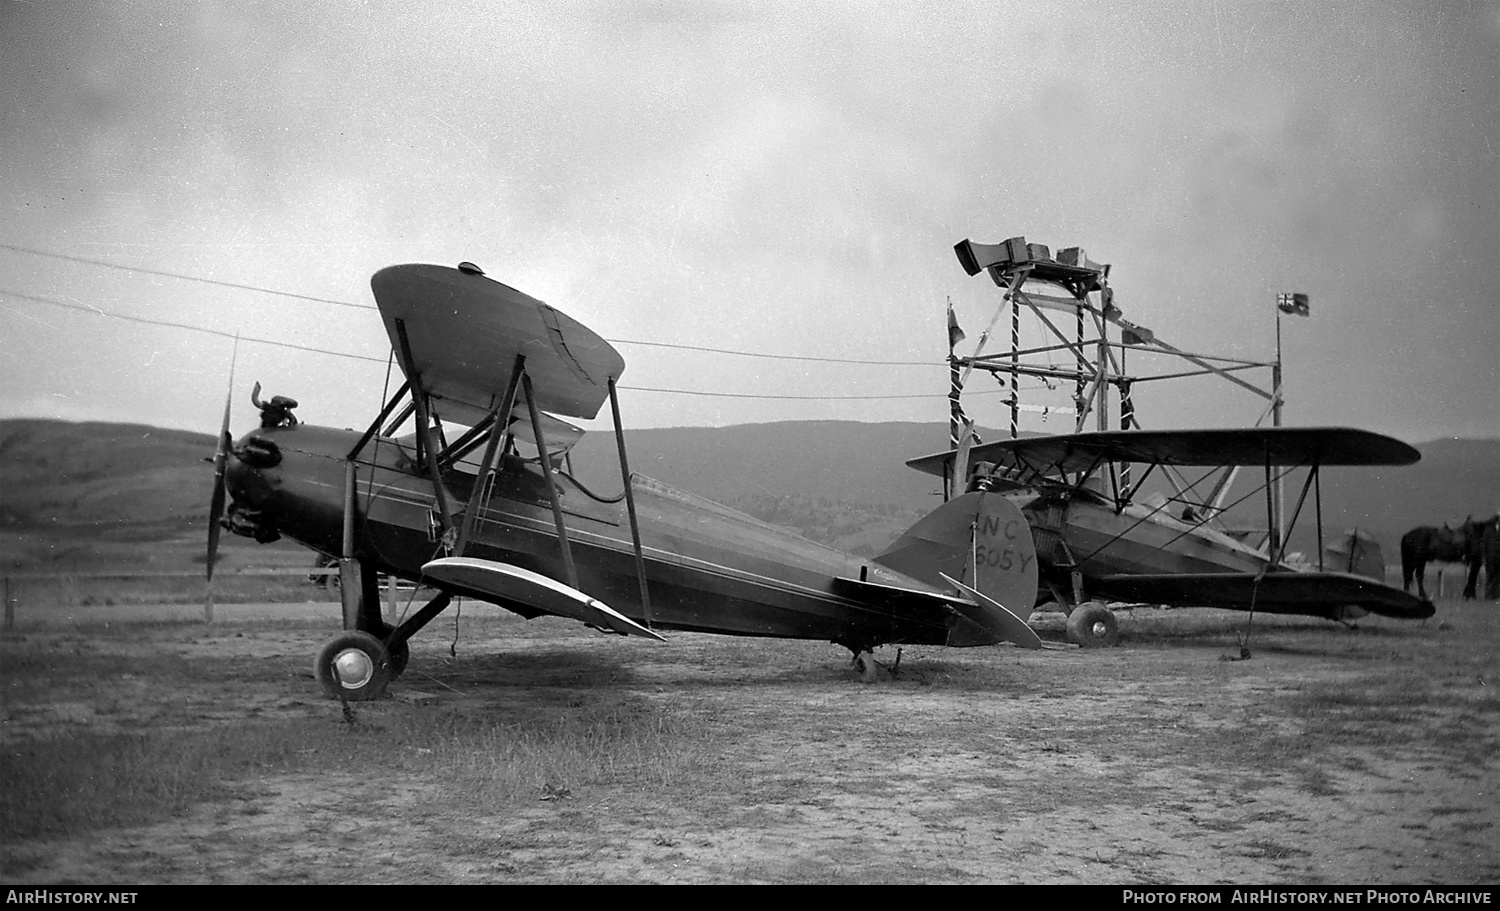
(1095, 540)
(491, 513)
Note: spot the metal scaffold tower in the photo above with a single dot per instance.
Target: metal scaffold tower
(1093, 356)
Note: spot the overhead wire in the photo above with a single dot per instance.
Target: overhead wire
(96, 311)
(90, 309)
(324, 300)
(190, 278)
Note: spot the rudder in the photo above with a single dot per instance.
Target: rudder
(981, 539)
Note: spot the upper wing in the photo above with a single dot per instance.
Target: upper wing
(1318, 594)
(488, 578)
(1261, 446)
(465, 330)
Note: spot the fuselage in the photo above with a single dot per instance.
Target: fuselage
(1078, 530)
(708, 568)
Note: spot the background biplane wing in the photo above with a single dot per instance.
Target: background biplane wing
(1273, 592)
(464, 331)
(1253, 446)
(492, 579)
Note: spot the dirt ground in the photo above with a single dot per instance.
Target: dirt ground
(1329, 756)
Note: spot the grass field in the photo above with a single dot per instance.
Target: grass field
(188, 752)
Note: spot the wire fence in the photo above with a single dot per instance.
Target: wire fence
(298, 585)
(126, 588)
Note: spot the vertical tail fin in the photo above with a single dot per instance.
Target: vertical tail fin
(982, 540)
(1358, 554)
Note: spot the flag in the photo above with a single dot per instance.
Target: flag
(955, 334)
(1295, 304)
(1131, 334)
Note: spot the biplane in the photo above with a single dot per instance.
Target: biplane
(478, 502)
(1098, 539)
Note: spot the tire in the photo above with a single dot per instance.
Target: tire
(1092, 625)
(364, 667)
(396, 655)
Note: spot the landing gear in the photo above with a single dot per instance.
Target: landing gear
(1092, 625)
(398, 655)
(863, 659)
(356, 666)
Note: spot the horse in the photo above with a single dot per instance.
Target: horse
(1426, 544)
(1484, 553)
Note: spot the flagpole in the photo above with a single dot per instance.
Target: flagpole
(955, 383)
(955, 391)
(1279, 533)
(1276, 375)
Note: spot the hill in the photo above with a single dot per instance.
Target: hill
(104, 475)
(841, 482)
(828, 460)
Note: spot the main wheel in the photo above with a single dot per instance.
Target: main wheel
(353, 664)
(1092, 625)
(397, 655)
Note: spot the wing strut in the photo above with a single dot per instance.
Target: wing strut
(1312, 475)
(1273, 519)
(426, 452)
(499, 426)
(546, 460)
(635, 529)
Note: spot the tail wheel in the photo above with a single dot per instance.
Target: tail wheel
(354, 665)
(1092, 625)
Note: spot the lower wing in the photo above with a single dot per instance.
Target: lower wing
(1318, 594)
(492, 579)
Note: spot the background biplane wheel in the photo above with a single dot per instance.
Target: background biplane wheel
(364, 667)
(1092, 625)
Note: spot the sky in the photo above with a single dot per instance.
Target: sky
(774, 178)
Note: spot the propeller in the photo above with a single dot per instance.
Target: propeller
(221, 461)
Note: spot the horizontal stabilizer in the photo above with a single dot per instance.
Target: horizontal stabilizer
(994, 617)
(488, 578)
(1318, 594)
